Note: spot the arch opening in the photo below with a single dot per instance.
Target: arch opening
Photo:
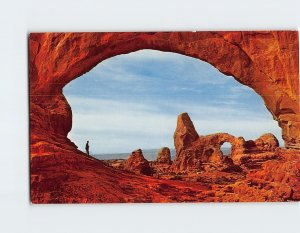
(226, 149)
(199, 89)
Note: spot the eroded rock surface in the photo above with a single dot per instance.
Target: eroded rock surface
(137, 163)
(267, 142)
(192, 155)
(164, 156)
(185, 133)
(266, 61)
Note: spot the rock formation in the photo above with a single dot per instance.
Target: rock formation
(266, 61)
(137, 163)
(206, 149)
(185, 133)
(164, 156)
(266, 142)
(55, 59)
(192, 151)
(191, 154)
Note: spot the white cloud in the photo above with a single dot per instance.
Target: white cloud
(116, 68)
(115, 73)
(116, 126)
(149, 54)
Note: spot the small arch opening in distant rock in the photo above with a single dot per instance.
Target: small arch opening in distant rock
(226, 148)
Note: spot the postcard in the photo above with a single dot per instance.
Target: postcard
(163, 117)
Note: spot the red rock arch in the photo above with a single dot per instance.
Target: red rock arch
(265, 61)
(216, 141)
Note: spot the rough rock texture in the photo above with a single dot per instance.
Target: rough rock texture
(277, 177)
(185, 133)
(68, 177)
(193, 150)
(207, 149)
(267, 142)
(266, 176)
(266, 61)
(192, 154)
(283, 172)
(137, 163)
(164, 156)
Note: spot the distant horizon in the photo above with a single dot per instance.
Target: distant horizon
(133, 100)
(149, 154)
(123, 152)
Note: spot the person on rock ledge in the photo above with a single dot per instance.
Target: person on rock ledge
(87, 148)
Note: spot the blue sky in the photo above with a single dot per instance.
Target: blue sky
(132, 101)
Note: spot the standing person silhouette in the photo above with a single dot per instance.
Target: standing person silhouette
(87, 148)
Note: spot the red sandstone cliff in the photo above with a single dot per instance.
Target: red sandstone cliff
(266, 61)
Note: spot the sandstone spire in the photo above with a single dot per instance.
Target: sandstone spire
(185, 133)
(164, 156)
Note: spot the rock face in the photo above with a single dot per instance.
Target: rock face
(193, 153)
(267, 142)
(206, 149)
(137, 163)
(185, 133)
(266, 61)
(164, 156)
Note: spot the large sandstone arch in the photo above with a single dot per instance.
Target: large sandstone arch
(268, 62)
